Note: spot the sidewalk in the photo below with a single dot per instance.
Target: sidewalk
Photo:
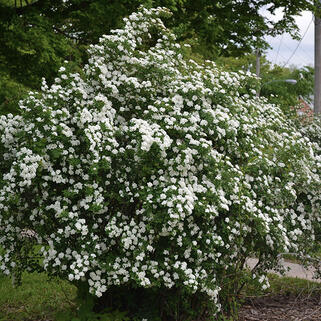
(296, 270)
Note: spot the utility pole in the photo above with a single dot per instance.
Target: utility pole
(317, 58)
(258, 62)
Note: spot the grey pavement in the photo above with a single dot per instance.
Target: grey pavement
(295, 270)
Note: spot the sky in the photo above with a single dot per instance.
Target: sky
(284, 47)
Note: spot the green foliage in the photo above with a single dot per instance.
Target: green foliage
(243, 62)
(11, 92)
(30, 49)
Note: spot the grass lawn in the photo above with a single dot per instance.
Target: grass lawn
(285, 286)
(41, 299)
(37, 299)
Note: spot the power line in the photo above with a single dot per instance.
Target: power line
(307, 54)
(302, 57)
(298, 44)
(277, 54)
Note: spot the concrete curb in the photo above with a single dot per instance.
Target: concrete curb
(295, 270)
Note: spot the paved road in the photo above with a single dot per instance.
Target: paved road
(296, 270)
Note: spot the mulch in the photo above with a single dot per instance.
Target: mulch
(281, 308)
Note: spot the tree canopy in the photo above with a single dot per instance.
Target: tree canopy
(273, 80)
(37, 36)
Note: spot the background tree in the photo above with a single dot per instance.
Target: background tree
(37, 36)
(272, 84)
(287, 95)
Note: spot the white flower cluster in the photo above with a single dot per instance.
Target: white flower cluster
(152, 169)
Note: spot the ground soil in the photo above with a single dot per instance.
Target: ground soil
(281, 308)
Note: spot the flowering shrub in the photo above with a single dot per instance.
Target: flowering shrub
(148, 170)
(312, 130)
